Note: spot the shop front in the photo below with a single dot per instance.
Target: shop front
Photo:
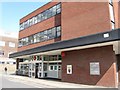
(41, 66)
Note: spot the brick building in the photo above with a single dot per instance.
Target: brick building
(8, 44)
(73, 41)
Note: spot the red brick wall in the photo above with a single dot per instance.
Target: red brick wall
(83, 18)
(41, 9)
(41, 26)
(80, 59)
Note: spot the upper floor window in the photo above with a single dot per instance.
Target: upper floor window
(58, 31)
(41, 16)
(41, 36)
(2, 43)
(11, 44)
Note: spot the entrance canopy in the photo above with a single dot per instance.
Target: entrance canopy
(99, 39)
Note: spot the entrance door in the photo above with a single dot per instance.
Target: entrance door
(32, 70)
(36, 70)
(53, 71)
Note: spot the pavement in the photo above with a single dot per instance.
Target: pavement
(27, 82)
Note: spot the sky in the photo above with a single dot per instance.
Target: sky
(12, 12)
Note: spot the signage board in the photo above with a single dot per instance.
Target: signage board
(69, 69)
(94, 68)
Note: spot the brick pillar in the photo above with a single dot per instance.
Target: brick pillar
(17, 65)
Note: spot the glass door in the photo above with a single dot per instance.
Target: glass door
(32, 70)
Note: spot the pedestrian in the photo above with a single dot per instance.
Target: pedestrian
(5, 70)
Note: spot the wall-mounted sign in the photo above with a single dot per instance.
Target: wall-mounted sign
(69, 69)
(94, 68)
(35, 58)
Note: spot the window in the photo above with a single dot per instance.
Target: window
(2, 43)
(58, 31)
(25, 24)
(55, 68)
(49, 12)
(45, 15)
(21, 26)
(28, 23)
(58, 8)
(59, 57)
(31, 39)
(26, 41)
(35, 19)
(54, 11)
(45, 35)
(51, 68)
(20, 43)
(49, 34)
(35, 39)
(41, 36)
(31, 22)
(23, 41)
(41, 16)
(53, 32)
(1, 53)
(11, 44)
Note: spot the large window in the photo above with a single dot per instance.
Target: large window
(2, 43)
(51, 33)
(11, 44)
(58, 31)
(41, 16)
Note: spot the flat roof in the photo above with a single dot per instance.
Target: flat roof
(112, 35)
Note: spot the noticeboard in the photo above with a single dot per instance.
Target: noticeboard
(94, 68)
(69, 69)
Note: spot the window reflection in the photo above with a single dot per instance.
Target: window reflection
(51, 33)
(42, 16)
